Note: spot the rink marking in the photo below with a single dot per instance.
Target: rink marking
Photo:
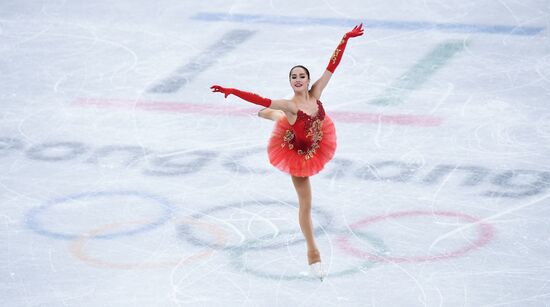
(77, 248)
(178, 107)
(370, 23)
(240, 263)
(32, 220)
(513, 183)
(187, 233)
(486, 232)
(419, 74)
(200, 63)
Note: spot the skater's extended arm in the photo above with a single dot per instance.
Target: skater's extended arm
(277, 104)
(248, 96)
(319, 85)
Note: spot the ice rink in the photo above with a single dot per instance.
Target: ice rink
(126, 182)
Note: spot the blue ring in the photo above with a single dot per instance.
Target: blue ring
(33, 224)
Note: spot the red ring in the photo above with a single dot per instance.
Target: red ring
(486, 233)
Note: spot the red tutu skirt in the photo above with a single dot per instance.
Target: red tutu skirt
(290, 161)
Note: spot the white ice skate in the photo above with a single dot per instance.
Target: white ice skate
(315, 267)
(316, 270)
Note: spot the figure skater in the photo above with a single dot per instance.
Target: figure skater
(304, 137)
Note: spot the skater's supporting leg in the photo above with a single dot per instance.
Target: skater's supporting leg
(303, 189)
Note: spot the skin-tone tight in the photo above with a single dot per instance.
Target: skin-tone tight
(303, 189)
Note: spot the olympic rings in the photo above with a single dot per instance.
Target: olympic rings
(32, 220)
(486, 233)
(187, 233)
(278, 239)
(77, 248)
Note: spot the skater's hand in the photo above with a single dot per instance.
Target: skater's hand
(357, 31)
(218, 89)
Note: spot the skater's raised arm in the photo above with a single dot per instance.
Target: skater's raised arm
(276, 104)
(319, 85)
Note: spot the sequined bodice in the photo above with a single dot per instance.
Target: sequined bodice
(306, 133)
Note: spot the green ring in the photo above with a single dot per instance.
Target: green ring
(237, 262)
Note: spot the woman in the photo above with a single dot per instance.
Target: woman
(304, 138)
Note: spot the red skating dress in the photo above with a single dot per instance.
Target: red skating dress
(303, 149)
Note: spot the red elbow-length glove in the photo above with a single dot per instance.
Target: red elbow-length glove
(250, 97)
(337, 55)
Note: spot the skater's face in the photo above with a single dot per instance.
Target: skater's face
(299, 79)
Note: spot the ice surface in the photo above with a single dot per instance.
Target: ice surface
(126, 182)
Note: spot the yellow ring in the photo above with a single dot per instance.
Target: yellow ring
(78, 245)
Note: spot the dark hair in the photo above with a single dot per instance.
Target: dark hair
(301, 66)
